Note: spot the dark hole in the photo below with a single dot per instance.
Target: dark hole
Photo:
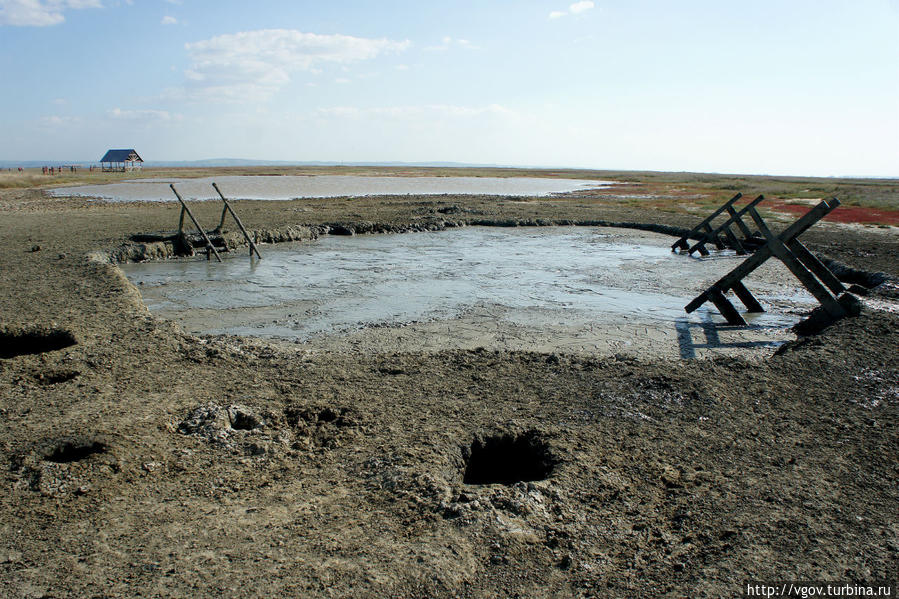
(74, 451)
(327, 415)
(244, 421)
(33, 342)
(508, 459)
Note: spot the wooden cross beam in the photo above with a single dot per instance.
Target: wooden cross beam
(228, 209)
(184, 209)
(683, 242)
(735, 219)
(813, 275)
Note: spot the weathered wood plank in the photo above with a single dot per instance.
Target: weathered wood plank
(735, 217)
(805, 276)
(683, 242)
(237, 220)
(725, 307)
(752, 304)
(184, 208)
(816, 266)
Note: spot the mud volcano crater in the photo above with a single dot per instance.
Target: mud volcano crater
(67, 451)
(507, 458)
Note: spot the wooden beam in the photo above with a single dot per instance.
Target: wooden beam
(237, 220)
(816, 266)
(752, 304)
(683, 243)
(184, 207)
(735, 217)
(805, 276)
(725, 307)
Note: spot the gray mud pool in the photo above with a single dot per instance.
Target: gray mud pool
(287, 187)
(578, 289)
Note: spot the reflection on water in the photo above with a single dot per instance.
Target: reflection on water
(288, 187)
(560, 276)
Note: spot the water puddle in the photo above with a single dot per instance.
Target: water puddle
(558, 288)
(288, 187)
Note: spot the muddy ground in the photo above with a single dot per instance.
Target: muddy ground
(139, 460)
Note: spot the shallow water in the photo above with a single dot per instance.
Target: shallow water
(288, 187)
(571, 278)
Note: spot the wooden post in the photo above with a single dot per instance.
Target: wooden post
(184, 208)
(237, 220)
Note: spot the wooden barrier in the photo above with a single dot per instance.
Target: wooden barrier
(706, 234)
(185, 209)
(813, 275)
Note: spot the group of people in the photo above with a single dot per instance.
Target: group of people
(51, 170)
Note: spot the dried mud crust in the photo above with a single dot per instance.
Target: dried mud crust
(142, 460)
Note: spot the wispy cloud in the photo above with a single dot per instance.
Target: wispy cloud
(253, 65)
(428, 112)
(143, 116)
(579, 7)
(573, 9)
(448, 42)
(40, 13)
(55, 121)
(168, 20)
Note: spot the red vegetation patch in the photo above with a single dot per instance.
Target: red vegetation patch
(843, 214)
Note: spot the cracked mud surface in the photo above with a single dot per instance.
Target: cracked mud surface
(143, 460)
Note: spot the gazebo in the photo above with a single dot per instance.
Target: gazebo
(121, 160)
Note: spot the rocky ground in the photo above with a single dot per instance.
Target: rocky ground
(143, 461)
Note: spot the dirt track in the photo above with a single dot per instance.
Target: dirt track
(142, 461)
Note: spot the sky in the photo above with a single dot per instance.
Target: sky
(787, 87)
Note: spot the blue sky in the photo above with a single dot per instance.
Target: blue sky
(780, 87)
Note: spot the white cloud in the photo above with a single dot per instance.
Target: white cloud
(142, 116)
(54, 121)
(252, 65)
(448, 42)
(579, 7)
(573, 9)
(167, 20)
(39, 13)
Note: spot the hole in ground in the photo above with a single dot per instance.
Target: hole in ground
(507, 459)
(21, 343)
(69, 451)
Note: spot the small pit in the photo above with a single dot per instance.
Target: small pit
(243, 419)
(507, 459)
(68, 451)
(21, 343)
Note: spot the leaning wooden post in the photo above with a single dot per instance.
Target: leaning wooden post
(184, 208)
(237, 220)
